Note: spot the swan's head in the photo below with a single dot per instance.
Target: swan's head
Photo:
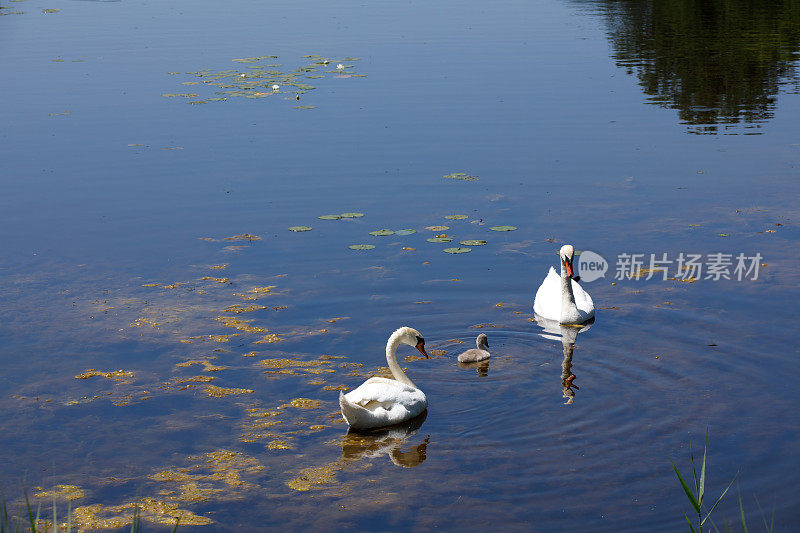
(413, 338)
(567, 253)
(483, 340)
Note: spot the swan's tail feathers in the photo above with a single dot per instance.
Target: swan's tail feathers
(352, 412)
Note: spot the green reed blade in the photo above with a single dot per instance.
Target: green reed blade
(686, 488)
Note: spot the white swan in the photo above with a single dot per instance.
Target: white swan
(560, 297)
(380, 401)
(474, 355)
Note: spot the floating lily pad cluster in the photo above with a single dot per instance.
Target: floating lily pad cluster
(3, 11)
(343, 215)
(438, 237)
(262, 77)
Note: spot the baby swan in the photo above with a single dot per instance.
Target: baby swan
(473, 355)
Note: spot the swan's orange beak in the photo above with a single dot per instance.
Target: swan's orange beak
(421, 347)
(568, 264)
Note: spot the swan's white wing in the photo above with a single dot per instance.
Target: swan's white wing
(381, 402)
(583, 301)
(473, 355)
(548, 298)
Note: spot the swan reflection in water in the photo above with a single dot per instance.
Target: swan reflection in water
(374, 443)
(566, 334)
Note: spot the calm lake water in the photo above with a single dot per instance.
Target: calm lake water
(167, 340)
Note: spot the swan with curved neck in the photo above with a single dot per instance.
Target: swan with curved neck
(381, 401)
(561, 298)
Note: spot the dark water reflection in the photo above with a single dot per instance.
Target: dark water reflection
(720, 64)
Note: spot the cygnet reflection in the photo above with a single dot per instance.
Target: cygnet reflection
(567, 335)
(481, 367)
(371, 444)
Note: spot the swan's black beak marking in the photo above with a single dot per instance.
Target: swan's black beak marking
(421, 347)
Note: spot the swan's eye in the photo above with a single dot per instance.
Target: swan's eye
(420, 340)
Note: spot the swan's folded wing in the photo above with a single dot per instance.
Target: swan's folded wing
(382, 392)
(547, 302)
(583, 301)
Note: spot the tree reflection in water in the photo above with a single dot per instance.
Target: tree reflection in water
(720, 63)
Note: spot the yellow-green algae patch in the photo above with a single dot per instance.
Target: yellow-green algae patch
(212, 391)
(213, 475)
(257, 423)
(262, 290)
(61, 492)
(268, 339)
(120, 376)
(207, 367)
(303, 403)
(238, 309)
(288, 366)
(217, 280)
(153, 510)
(228, 466)
(240, 324)
(316, 477)
(243, 237)
(214, 338)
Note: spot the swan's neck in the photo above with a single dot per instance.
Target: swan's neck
(569, 311)
(391, 358)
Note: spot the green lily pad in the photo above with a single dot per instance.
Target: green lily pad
(503, 228)
(351, 215)
(460, 176)
(694, 225)
(305, 106)
(458, 250)
(438, 228)
(473, 242)
(361, 246)
(329, 217)
(381, 232)
(456, 217)
(723, 234)
(405, 231)
(439, 239)
(300, 228)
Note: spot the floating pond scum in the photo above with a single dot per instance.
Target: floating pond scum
(262, 77)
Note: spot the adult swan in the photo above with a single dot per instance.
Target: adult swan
(560, 297)
(380, 401)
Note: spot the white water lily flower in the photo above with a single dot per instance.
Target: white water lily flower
(276, 87)
(339, 67)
